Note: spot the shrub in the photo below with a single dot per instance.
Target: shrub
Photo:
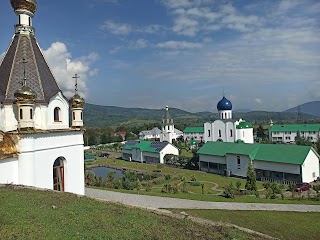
(148, 187)
(195, 184)
(193, 178)
(167, 177)
(238, 185)
(229, 191)
(175, 188)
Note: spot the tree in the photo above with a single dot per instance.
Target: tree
(251, 184)
(261, 132)
(318, 145)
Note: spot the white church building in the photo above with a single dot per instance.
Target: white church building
(226, 129)
(168, 132)
(37, 146)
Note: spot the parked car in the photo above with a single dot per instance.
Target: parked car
(303, 186)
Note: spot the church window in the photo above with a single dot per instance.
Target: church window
(243, 133)
(168, 128)
(29, 21)
(238, 160)
(230, 132)
(21, 114)
(219, 133)
(31, 114)
(209, 133)
(73, 116)
(81, 116)
(56, 114)
(225, 115)
(58, 174)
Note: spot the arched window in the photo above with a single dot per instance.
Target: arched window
(81, 116)
(31, 114)
(73, 116)
(56, 114)
(58, 174)
(21, 113)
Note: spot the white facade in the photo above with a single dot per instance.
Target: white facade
(194, 135)
(227, 131)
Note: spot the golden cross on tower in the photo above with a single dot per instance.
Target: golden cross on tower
(76, 85)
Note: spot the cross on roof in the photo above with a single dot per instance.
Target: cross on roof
(76, 85)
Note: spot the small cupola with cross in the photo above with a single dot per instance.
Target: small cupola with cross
(25, 100)
(76, 105)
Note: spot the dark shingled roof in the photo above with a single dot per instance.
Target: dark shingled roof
(39, 76)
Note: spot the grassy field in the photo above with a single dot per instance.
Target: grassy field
(203, 177)
(283, 225)
(30, 214)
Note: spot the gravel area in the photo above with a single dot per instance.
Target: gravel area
(154, 202)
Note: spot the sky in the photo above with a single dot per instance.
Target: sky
(262, 55)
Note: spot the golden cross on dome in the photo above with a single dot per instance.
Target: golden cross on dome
(76, 85)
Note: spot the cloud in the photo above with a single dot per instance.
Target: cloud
(125, 29)
(64, 67)
(258, 100)
(178, 45)
(116, 28)
(140, 43)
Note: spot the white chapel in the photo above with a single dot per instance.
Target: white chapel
(226, 129)
(37, 145)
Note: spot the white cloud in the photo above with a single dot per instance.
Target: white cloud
(178, 45)
(64, 68)
(116, 28)
(140, 43)
(258, 101)
(125, 29)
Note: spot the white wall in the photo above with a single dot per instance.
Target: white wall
(60, 102)
(310, 166)
(246, 135)
(169, 149)
(9, 171)
(37, 153)
(279, 167)
(8, 120)
(232, 164)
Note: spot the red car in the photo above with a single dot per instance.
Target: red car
(303, 186)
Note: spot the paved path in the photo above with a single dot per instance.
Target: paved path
(153, 202)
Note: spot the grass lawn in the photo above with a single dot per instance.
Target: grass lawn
(283, 225)
(202, 177)
(30, 214)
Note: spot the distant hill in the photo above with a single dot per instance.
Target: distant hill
(312, 108)
(111, 116)
(243, 110)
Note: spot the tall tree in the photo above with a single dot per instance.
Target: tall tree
(261, 133)
(251, 183)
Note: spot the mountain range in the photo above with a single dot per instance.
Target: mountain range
(112, 116)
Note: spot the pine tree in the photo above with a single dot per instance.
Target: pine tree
(251, 184)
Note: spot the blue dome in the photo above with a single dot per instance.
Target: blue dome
(224, 104)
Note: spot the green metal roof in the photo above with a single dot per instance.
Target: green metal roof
(216, 148)
(291, 154)
(243, 125)
(194, 130)
(295, 128)
(145, 146)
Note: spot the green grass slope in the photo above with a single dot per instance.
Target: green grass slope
(30, 214)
